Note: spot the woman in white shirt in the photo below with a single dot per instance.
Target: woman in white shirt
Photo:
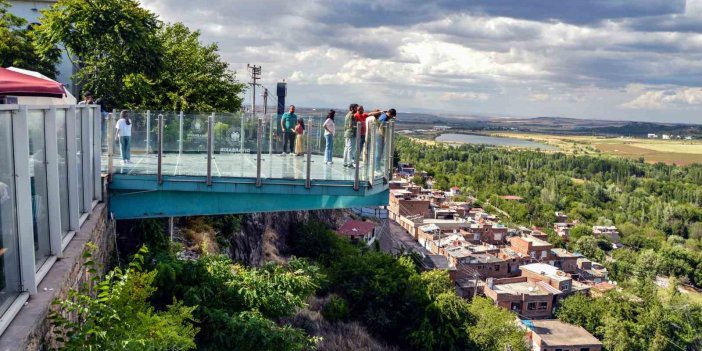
(329, 131)
(124, 135)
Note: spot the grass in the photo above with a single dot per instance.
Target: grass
(679, 152)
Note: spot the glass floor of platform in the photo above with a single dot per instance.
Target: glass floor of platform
(273, 166)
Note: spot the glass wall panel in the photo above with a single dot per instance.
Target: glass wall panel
(9, 249)
(79, 160)
(63, 170)
(37, 173)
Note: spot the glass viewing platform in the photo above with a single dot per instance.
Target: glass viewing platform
(167, 144)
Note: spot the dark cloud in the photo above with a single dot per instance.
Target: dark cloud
(373, 13)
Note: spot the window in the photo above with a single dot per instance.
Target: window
(497, 268)
(543, 305)
(498, 237)
(532, 254)
(9, 240)
(584, 349)
(516, 306)
(531, 306)
(543, 254)
(565, 286)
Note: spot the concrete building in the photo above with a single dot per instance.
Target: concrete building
(526, 298)
(531, 247)
(554, 335)
(565, 260)
(591, 271)
(610, 232)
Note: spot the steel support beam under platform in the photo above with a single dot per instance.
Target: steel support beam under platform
(142, 197)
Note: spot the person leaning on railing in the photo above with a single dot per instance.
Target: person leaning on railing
(350, 136)
(382, 123)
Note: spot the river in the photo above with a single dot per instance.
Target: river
(491, 140)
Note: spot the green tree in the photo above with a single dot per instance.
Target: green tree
(193, 77)
(17, 45)
(113, 42)
(495, 328)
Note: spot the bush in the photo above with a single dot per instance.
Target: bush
(336, 309)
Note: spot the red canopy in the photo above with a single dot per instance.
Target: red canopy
(18, 84)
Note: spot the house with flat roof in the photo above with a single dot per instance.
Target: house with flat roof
(610, 232)
(554, 335)
(529, 299)
(591, 271)
(532, 247)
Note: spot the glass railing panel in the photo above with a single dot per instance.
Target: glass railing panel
(171, 158)
(63, 169)
(37, 172)
(193, 159)
(229, 146)
(9, 239)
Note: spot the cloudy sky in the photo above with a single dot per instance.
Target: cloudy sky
(598, 59)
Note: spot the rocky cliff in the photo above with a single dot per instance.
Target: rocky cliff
(264, 236)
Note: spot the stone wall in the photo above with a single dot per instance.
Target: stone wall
(30, 328)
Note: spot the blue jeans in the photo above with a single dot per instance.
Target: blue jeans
(329, 147)
(349, 150)
(125, 147)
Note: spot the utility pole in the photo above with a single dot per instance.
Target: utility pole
(255, 76)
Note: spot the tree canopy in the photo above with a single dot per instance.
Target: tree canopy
(128, 57)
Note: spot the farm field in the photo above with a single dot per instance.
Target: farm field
(679, 152)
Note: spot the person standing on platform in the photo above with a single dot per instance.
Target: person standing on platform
(329, 131)
(299, 132)
(123, 133)
(288, 121)
(369, 120)
(350, 136)
(382, 123)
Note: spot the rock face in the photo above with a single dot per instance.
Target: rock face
(264, 236)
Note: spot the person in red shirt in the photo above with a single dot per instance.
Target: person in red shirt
(361, 116)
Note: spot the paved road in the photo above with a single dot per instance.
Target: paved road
(399, 239)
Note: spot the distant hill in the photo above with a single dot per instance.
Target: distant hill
(644, 128)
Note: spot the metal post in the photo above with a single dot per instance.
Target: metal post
(52, 180)
(210, 121)
(308, 181)
(357, 156)
(371, 157)
(148, 132)
(242, 144)
(170, 227)
(180, 133)
(259, 142)
(321, 134)
(160, 149)
(110, 140)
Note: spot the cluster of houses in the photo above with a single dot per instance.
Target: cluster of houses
(515, 267)
(668, 136)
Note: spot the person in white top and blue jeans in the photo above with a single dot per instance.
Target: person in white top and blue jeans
(124, 135)
(329, 131)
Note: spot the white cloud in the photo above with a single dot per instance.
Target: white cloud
(659, 99)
